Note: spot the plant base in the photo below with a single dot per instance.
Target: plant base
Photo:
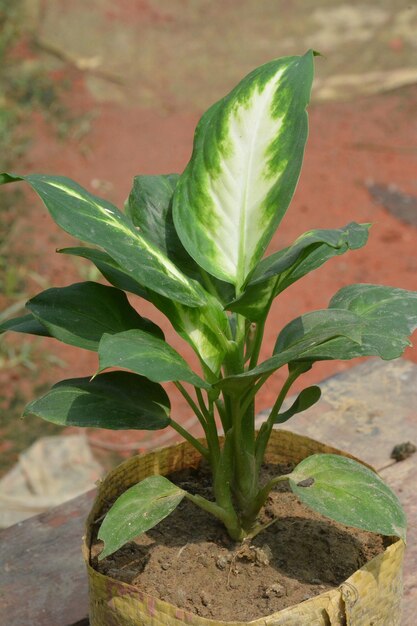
(371, 595)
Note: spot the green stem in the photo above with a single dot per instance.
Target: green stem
(260, 328)
(251, 394)
(229, 519)
(194, 442)
(266, 428)
(263, 494)
(192, 404)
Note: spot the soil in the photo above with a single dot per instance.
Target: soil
(189, 561)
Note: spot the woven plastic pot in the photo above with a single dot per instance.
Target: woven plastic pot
(372, 595)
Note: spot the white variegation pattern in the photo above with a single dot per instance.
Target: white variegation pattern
(247, 156)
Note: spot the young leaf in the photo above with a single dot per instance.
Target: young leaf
(306, 399)
(115, 400)
(280, 270)
(25, 324)
(388, 317)
(348, 492)
(81, 313)
(100, 223)
(247, 156)
(297, 341)
(147, 355)
(137, 510)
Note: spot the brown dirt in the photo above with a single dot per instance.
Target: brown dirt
(189, 561)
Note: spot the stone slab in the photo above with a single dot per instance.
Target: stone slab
(42, 575)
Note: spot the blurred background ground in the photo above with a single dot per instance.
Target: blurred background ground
(102, 90)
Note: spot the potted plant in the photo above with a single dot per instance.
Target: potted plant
(193, 246)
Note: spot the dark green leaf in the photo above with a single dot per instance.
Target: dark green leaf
(277, 272)
(304, 401)
(81, 313)
(25, 324)
(137, 510)
(348, 492)
(115, 400)
(146, 355)
(201, 327)
(388, 317)
(150, 208)
(110, 269)
(100, 223)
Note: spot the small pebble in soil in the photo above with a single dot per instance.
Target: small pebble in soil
(222, 561)
(402, 451)
(205, 598)
(275, 591)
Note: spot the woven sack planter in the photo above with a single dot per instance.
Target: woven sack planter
(372, 595)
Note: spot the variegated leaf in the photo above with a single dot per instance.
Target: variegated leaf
(247, 156)
(280, 270)
(205, 328)
(99, 222)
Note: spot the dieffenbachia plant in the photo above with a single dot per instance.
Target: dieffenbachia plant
(193, 246)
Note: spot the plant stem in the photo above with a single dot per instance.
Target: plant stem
(229, 518)
(266, 428)
(264, 492)
(192, 404)
(194, 442)
(260, 327)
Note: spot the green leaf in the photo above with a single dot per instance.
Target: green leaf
(348, 492)
(306, 399)
(115, 400)
(204, 328)
(100, 223)
(81, 313)
(247, 156)
(110, 269)
(25, 324)
(388, 317)
(280, 270)
(137, 510)
(297, 341)
(150, 208)
(146, 355)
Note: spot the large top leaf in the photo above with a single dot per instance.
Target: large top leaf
(247, 156)
(280, 270)
(99, 222)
